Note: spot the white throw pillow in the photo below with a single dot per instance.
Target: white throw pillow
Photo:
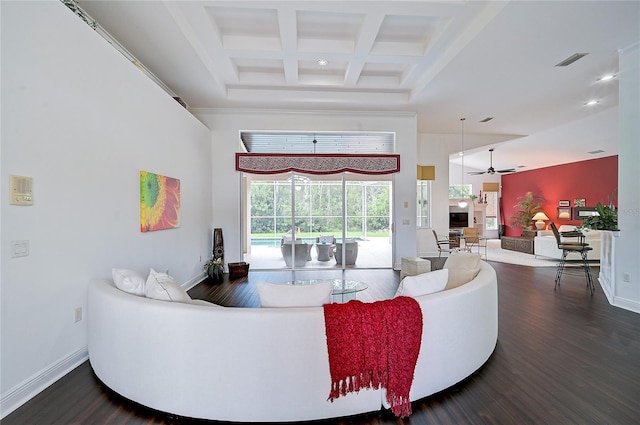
(128, 281)
(463, 267)
(161, 286)
(285, 295)
(423, 284)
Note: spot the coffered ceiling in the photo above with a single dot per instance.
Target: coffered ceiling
(440, 59)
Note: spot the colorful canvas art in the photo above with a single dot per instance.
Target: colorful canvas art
(159, 202)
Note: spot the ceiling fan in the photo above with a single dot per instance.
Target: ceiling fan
(492, 170)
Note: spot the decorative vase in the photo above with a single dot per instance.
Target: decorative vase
(217, 273)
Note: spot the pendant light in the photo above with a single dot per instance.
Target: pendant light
(462, 203)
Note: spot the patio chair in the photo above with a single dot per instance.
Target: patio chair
(351, 247)
(302, 253)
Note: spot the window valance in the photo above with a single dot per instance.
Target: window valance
(274, 163)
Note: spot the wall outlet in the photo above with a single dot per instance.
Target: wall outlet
(77, 314)
(626, 277)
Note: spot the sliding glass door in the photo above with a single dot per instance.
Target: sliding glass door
(336, 212)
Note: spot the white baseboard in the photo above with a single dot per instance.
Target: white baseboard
(194, 281)
(626, 304)
(25, 391)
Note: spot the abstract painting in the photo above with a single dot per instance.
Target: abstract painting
(159, 202)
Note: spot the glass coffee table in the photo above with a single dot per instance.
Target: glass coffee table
(342, 288)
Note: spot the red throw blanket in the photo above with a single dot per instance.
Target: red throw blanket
(374, 345)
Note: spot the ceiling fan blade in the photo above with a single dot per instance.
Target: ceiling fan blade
(475, 173)
(510, 170)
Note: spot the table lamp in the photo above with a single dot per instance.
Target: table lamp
(539, 218)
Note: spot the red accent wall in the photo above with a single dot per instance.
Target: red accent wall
(594, 180)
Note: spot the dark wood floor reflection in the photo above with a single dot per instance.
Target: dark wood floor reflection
(563, 357)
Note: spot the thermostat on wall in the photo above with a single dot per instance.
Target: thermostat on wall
(20, 190)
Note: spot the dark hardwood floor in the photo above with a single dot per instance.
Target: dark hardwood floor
(563, 357)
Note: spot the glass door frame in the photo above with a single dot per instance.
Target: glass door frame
(246, 216)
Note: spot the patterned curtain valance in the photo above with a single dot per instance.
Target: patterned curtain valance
(273, 163)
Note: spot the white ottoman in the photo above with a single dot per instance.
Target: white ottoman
(412, 266)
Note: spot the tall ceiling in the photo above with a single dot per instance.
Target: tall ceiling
(442, 60)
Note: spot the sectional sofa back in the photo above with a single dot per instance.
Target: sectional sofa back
(267, 364)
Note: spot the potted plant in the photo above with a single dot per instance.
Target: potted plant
(474, 197)
(528, 206)
(214, 267)
(607, 219)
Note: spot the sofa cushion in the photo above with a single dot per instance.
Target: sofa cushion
(285, 295)
(161, 286)
(128, 281)
(463, 267)
(423, 284)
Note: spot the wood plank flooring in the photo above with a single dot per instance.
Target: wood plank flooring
(563, 357)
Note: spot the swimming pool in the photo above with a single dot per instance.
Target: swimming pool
(276, 241)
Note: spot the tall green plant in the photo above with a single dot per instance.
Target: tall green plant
(528, 206)
(607, 219)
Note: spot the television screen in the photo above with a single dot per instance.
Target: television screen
(458, 219)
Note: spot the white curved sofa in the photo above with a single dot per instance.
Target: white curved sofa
(268, 364)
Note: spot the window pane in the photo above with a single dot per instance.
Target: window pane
(492, 203)
(492, 210)
(423, 203)
(457, 191)
(262, 199)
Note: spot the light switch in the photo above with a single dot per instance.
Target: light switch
(19, 249)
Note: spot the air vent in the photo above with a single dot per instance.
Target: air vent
(571, 59)
(596, 152)
(487, 119)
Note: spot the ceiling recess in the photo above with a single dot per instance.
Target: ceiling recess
(571, 59)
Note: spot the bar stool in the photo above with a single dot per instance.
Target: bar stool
(568, 247)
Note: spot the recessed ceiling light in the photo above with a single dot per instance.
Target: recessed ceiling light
(607, 77)
(323, 62)
(592, 102)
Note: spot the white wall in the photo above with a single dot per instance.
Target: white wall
(627, 294)
(83, 121)
(226, 127)
(434, 149)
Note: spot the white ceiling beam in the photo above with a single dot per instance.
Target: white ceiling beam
(319, 96)
(198, 29)
(289, 40)
(366, 39)
(428, 70)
